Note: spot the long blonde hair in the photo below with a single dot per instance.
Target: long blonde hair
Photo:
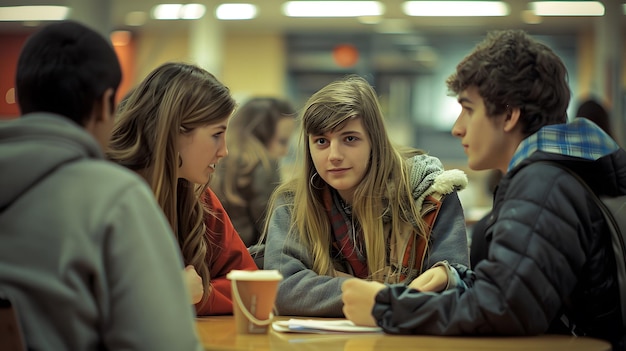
(385, 187)
(171, 101)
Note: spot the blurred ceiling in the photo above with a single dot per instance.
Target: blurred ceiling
(271, 20)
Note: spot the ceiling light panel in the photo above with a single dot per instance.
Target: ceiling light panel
(455, 8)
(192, 11)
(178, 11)
(33, 13)
(166, 11)
(567, 8)
(332, 8)
(236, 11)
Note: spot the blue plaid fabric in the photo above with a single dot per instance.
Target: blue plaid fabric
(579, 138)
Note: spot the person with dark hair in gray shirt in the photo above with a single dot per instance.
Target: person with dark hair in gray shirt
(87, 257)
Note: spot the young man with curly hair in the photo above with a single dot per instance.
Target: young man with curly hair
(549, 267)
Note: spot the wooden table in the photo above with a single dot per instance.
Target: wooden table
(218, 333)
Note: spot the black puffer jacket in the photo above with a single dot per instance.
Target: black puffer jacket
(548, 250)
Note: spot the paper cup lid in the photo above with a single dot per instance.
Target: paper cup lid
(254, 275)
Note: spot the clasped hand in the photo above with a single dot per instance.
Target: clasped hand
(359, 295)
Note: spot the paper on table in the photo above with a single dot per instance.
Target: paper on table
(295, 325)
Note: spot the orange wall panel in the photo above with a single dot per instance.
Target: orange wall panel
(10, 46)
(126, 55)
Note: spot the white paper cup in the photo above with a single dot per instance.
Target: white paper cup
(254, 294)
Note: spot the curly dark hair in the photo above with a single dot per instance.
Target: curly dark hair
(511, 69)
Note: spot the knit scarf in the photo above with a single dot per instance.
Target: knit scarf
(348, 240)
(405, 253)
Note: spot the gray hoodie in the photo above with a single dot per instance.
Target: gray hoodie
(86, 255)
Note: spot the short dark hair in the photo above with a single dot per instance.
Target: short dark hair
(65, 68)
(513, 70)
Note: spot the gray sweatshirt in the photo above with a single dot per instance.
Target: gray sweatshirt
(86, 255)
(305, 293)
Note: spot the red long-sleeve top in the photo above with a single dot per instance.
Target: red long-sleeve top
(225, 253)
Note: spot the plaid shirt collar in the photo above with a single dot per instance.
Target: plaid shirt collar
(579, 138)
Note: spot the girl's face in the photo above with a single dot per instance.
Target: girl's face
(341, 157)
(200, 151)
(279, 145)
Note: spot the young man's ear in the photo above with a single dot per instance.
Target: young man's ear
(104, 109)
(100, 122)
(512, 118)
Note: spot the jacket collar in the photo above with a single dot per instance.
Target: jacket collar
(579, 138)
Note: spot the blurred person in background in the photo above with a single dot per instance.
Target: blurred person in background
(596, 113)
(172, 131)
(260, 132)
(86, 256)
(360, 207)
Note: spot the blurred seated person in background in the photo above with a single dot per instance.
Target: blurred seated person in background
(86, 256)
(260, 132)
(361, 207)
(172, 131)
(550, 266)
(595, 112)
(478, 246)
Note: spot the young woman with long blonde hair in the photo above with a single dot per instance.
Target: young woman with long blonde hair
(361, 207)
(171, 130)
